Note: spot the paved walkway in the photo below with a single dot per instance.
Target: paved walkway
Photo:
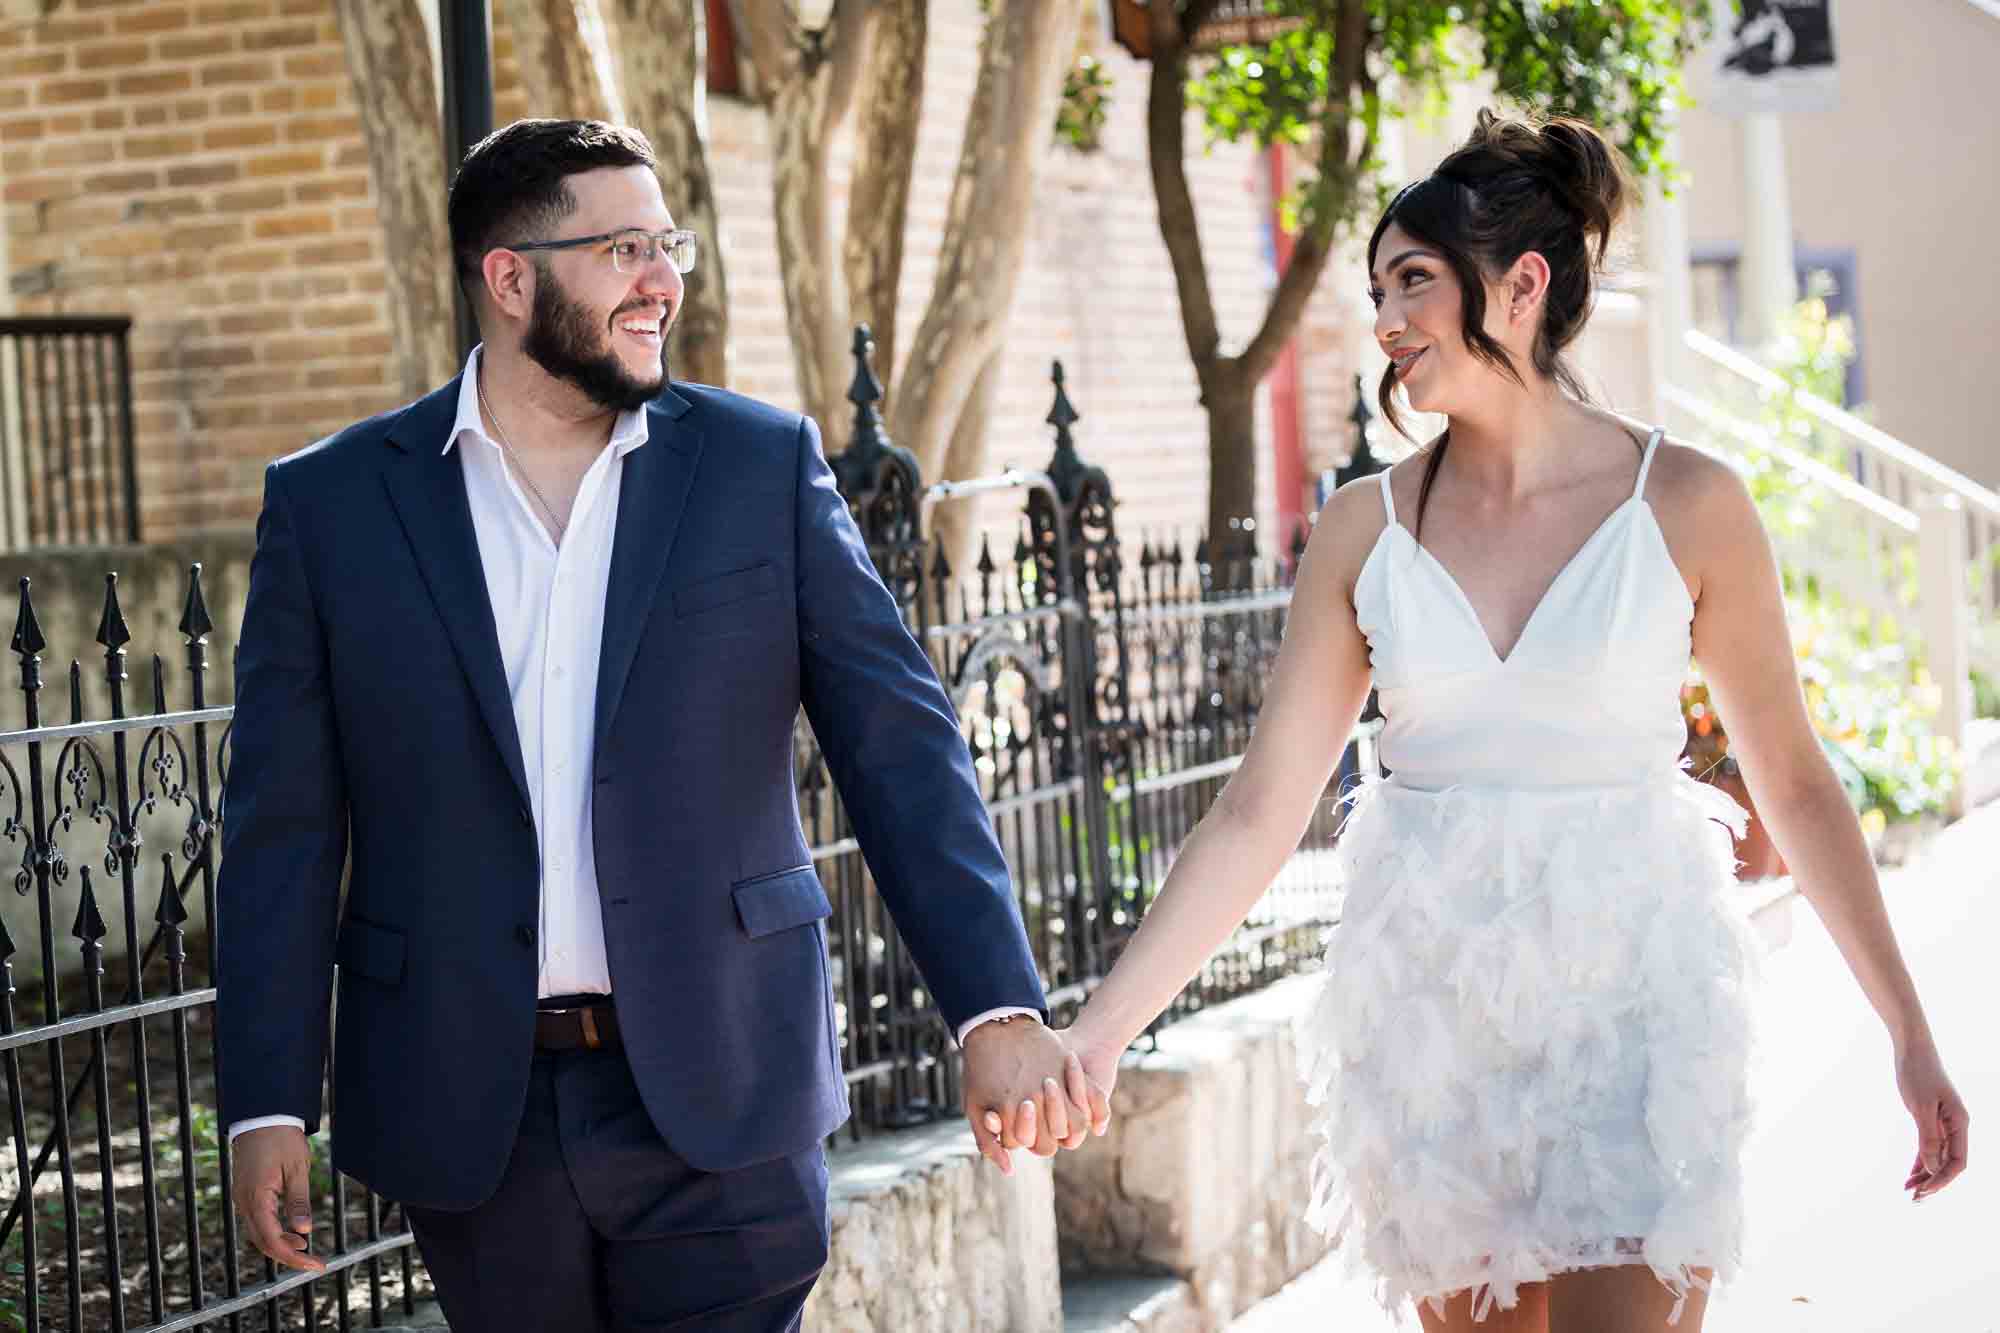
(1836, 1247)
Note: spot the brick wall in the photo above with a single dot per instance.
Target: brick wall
(199, 164)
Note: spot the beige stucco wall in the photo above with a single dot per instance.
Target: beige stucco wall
(1903, 171)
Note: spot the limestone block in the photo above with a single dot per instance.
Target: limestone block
(929, 1238)
(1206, 1170)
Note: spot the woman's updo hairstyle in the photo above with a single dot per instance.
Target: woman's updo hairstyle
(1554, 187)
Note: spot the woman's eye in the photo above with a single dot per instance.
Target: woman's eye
(1375, 297)
(1411, 275)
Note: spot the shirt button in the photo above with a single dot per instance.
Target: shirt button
(556, 671)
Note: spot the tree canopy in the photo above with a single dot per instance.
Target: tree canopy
(1326, 81)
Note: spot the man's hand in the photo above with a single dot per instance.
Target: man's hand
(273, 1174)
(1023, 1090)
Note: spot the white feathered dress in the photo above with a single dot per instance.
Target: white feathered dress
(1529, 1053)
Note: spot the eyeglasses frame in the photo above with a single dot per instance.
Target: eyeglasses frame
(666, 240)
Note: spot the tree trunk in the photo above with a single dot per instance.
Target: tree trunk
(1229, 383)
(663, 71)
(1025, 51)
(805, 258)
(806, 85)
(564, 58)
(885, 154)
(388, 56)
(954, 526)
(1231, 399)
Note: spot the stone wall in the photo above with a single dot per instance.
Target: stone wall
(1204, 1173)
(929, 1238)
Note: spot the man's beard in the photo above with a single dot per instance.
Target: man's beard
(562, 339)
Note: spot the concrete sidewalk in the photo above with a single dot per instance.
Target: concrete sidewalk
(1836, 1246)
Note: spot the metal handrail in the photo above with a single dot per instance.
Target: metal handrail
(1845, 487)
(1872, 438)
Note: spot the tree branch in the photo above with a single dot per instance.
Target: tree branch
(663, 67)
(388, 56)
(765, 27)
(1312, 249)
(885, 154)
(806, 87)
(1027, 46)
(1166, 142)
(565, 60)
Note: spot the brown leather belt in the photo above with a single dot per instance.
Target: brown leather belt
(591, 1027)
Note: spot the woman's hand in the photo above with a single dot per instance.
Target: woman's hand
(1093, 1073)
(1940, 1115)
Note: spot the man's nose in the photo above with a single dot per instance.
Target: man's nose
(661, 278)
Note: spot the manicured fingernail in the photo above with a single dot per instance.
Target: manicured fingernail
(992, 1122)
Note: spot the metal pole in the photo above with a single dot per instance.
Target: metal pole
(465, 36)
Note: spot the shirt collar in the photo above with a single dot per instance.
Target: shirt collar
(628, 432)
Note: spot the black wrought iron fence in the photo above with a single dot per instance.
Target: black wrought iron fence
(1104, 703)
(68, 475)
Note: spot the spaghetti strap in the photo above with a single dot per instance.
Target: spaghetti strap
(1646, 462)
(1388, 500)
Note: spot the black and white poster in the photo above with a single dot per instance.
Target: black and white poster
(1776, 55)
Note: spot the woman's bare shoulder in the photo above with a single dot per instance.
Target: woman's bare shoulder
(1347, 528)
(1702, 504)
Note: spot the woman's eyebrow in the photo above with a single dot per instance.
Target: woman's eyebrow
(1415, 252)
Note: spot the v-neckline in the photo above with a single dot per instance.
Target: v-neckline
(1527, 626)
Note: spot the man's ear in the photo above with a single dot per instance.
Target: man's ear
(509, 282)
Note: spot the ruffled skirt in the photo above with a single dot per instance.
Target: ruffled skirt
(1530, 1049)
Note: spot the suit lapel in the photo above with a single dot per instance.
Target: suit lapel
(652, 497)
(428, 489)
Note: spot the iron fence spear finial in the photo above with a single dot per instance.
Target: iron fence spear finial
(172, 911)
(1066, 469)
(89, 925)
(112, 630)
(28, 640)
(195, 621)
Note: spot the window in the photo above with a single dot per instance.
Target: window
(1717, 301)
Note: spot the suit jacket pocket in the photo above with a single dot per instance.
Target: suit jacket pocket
(771, 903)
(371, 951)
(723, 589)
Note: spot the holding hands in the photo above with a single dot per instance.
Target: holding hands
(1026, 1087)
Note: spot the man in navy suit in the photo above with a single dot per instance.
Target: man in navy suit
(525, 656)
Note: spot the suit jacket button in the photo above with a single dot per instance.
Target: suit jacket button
(527, 816)
(526, 935)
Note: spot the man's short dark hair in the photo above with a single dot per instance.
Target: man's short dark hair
(513, 184)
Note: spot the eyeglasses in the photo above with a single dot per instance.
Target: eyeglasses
(631, 249)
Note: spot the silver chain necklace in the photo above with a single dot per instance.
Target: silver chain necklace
(520, 471)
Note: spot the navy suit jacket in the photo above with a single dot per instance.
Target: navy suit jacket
(374, 729)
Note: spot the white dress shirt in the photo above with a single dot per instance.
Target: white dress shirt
(548, 606)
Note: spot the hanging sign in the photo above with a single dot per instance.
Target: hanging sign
(1777, 55)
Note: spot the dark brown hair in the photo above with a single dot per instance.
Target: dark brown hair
(514, 184)
(1554, 187)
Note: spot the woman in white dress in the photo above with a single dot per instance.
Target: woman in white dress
(1531, 1048)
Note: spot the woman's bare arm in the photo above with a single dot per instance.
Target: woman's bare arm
(1315, 694)
(1744, 646)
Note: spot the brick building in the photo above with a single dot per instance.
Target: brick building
(199, 165)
